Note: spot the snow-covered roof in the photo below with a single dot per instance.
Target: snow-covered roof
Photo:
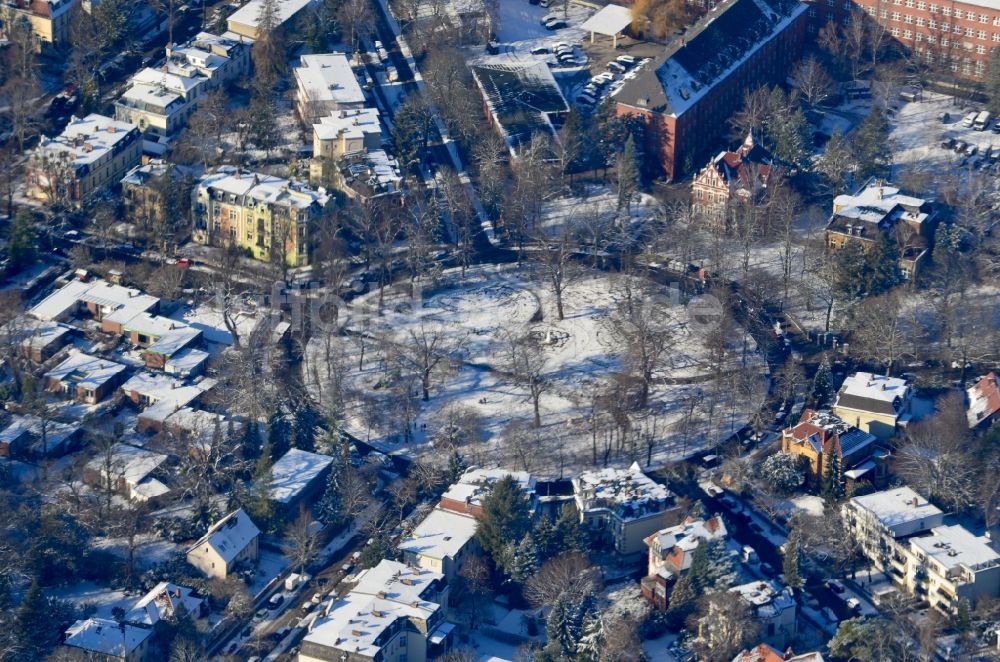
(166, 393)
(720, 42)
(877, 202)
(628, 493)
(140, 175)
(399, 582)
(56, 433)
(87, 140)
(476, 483)
(351, 124)
(821, 426)
(162, 602)
(131, 463)
(356, 623)
(104, 636)
(520, 98)
(867, 391)
(120, 303)
(329, 78)
(767, 653)
(767, 598)
(185, 362)
(375, 169)
(952, 547)
(900, 505)
(174, 340)
(265, 189)
(686, 537)
(984, 399)
(249, 14)
(294, 471)
(442, 534)
(230, 535)
(609, 21)
(85, 370)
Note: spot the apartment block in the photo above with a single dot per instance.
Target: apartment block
(623, 506)
(952, 564)
(271, 217)
(325, 83)
(346, 132)
(92, 153)
(49, 19)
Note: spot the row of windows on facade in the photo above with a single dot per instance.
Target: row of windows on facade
(934, 25)
(933, 8)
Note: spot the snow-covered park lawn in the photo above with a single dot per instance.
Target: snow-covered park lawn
(481, 404)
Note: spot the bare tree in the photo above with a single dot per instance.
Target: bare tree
(809, 77)
(725, 627)
(555, 260)
(569, 572)
(644, 328)
(424, 352)
(878, 332)
(525, 361)
(303, 541)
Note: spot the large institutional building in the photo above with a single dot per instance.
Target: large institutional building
(686, 95)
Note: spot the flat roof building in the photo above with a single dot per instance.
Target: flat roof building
(245, 21)
(326, 83)
(85, 378)
(297, 477)
(441, 542)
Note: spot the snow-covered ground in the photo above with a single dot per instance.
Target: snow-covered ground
(95, 600)
(594, 212)
(520, 24)
(151, 550)
(475, 319)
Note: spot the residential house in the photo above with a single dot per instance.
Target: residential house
(346, 132)
(881, 522)
(671, 551)
(623, 506)
(394, 613)
(731, 179)
(85, 378)
(221, 60)
(107, 640)
(880, 209)
(441, 542)
(130, 471)
(466, 495)
(297, 478)
(773, 608)
(261, 213)
(820, 436)
(245, 21)
(187, 362)
(159, 102)
(521, 101)
(142, 193)
(362, 176)
(92, 153)
(326, 83)
(685, 95)
(160, 337)
(110, 304)
(161, 396)
(49, 19)
(983, 401)
(767, 653)
(37, 340)
(28, 436)
(952, 564)
(164, 602)
(874, 403)
(228, 543)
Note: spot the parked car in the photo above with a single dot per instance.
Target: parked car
(615, 67)
(260, 614)
(544, 3)
(947, 143)
(276, 601)
(996, 126)
(540, 50)
(960, 146)
(835, 586)
(971, 150)
(854, 605)
(626, 60)
(557, 24)
(591, 89)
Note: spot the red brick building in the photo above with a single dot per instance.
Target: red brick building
(686, 95)
(731, 178)
(956, 36)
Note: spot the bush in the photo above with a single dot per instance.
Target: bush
(784, 472)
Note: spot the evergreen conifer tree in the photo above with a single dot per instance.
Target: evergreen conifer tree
(833, 479)
(22, 242)
(569, 533)
(792, 560)
(822, 385)
(546, 537)
(523, 560)
(330, 510)
(506, 517)
(456, 467)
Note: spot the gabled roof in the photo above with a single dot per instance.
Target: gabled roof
(294, 471)
(229, 536)
(520, 98)
(767, 653)
(873, 393)
(443, 533)
(100, 635)
(163, 602)
(984, 399)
